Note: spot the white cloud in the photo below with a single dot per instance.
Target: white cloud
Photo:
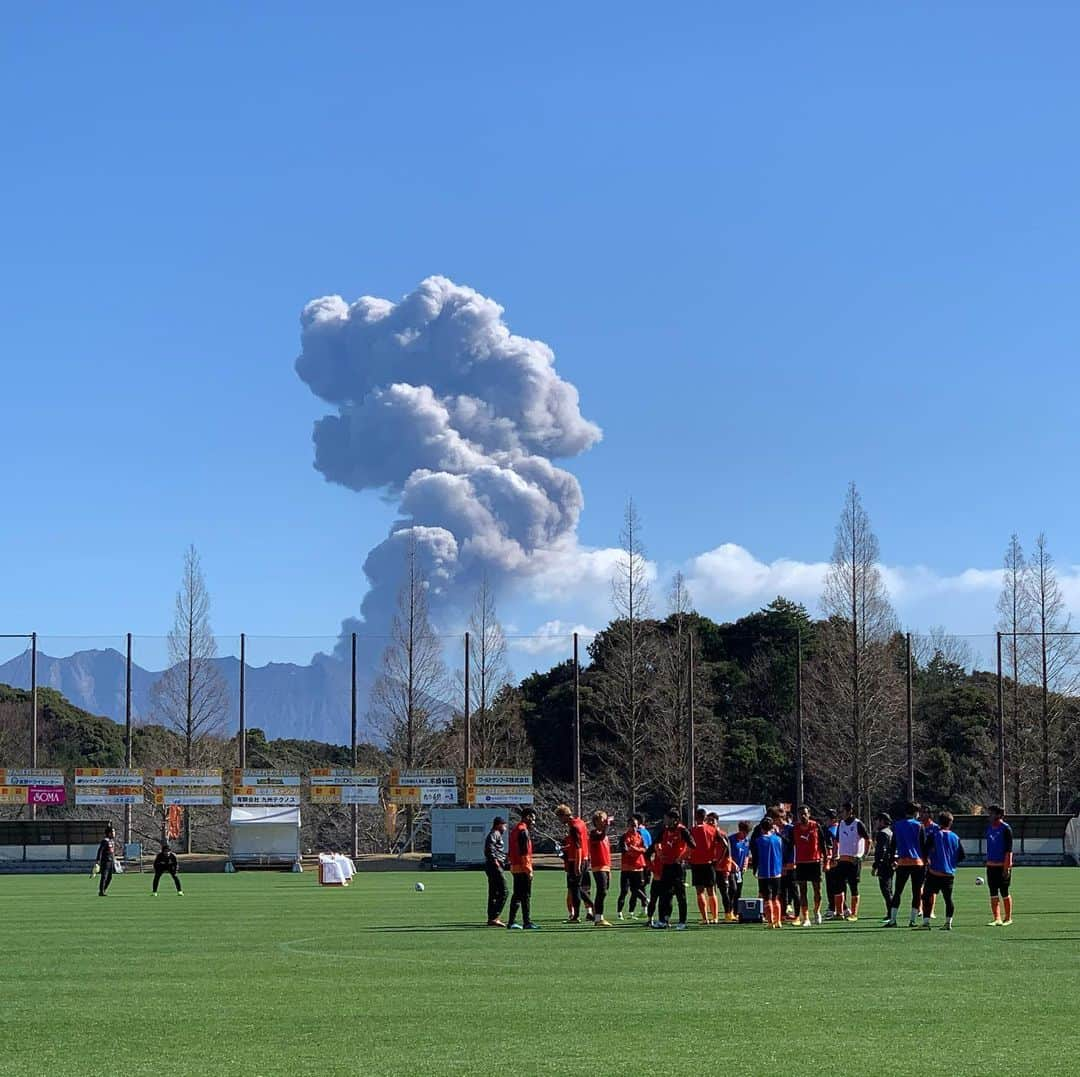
(551, 637)
(572, 582)
(568, 571)
(730, 576)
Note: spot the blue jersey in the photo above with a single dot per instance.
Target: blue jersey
(769, 855)
(740, 852)
(832, 836)
(646, 837)
(908, 837)
(998, 843)
(945, 852)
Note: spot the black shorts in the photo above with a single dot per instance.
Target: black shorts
(579, 880)
(848, 873)
(998, 880)
(808, 873)
(703, 875)
(934, 884)
(768, 889)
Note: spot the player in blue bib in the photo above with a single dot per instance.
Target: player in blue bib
(908, 852)
(944, 853)
(999, 862)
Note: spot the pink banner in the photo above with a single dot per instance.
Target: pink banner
(48, 794)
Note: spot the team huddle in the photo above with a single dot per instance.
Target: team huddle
(793, 859)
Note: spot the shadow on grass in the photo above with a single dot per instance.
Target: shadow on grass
(437, 928)
(1056, 938)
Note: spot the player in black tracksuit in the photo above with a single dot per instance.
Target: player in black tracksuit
(106, 860)
(883, 861)
(165, 864)
(494, 865)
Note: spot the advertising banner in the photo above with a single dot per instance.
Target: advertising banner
(341, 785)
(99, 785)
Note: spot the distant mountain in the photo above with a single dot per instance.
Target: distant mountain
(283, 699)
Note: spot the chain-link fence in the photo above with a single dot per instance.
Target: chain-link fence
(719, 716)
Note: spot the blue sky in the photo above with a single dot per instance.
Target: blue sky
(774, 251)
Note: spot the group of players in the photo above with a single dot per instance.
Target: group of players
(790, 856)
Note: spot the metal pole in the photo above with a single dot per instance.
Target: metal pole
(127, 734)
(800, 760)
(33, 711)
(1001, 728)
(577, 730)
(243, 732)
(910, 728)
(352, 711)
(691, 777)
(468, 714)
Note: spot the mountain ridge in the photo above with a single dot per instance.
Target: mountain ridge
(284, 699)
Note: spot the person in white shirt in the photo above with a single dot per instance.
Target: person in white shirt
(852, 841)
(330, 871)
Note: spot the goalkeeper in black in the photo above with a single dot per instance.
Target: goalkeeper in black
(165, 864)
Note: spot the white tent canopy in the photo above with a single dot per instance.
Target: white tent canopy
(1072, 839)
(264, 835)
(730, 815)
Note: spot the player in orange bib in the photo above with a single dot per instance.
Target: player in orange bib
(703, 867)
(722, 864)
(576, 864)
(809, 842)
(600, 864)
(520, 852)
(632, 866)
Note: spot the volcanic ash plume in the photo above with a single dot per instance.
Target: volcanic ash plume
(442, 408)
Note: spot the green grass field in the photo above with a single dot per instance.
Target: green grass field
(271, 974)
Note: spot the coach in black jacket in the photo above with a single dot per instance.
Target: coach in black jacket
(165, 863)
(494, 865)
(106, 860)
(883, 863)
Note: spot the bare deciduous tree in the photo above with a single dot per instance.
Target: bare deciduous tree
(670, 748)
(1015, 623)
(498, 733)
(943, 645)
(626, 687)
(191, 697)
(409, 695)
(1055, 658)
(854, 681)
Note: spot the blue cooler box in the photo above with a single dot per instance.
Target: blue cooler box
(750, 911)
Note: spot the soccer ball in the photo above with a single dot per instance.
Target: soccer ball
(419, 888)
(979, 880)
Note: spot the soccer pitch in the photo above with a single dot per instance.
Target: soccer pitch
(270, 974)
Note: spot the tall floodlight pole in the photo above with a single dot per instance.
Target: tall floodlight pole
(352, 712)
(577, 730)
(127, 734)
(691, 777)
(468, 710)
(243, 732)
(910, 727)
(800, 761)
(1000, 728)
(33, 711)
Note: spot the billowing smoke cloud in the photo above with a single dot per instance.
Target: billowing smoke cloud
(441, 407)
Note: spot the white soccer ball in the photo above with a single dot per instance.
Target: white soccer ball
(419, 888)
(979, 880)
